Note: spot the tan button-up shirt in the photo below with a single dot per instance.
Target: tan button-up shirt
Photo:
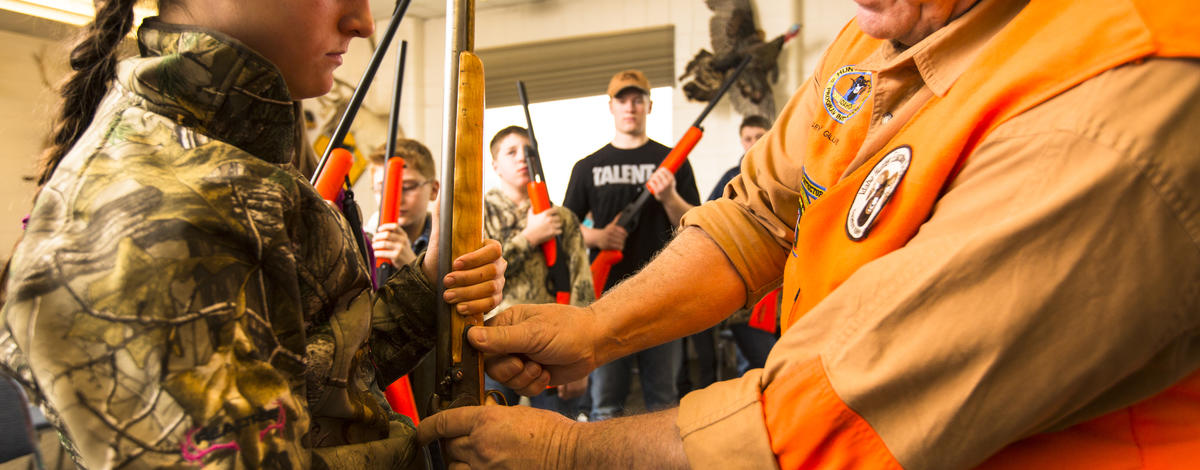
(1057, 278)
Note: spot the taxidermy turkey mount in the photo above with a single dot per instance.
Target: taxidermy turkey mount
(734, 35)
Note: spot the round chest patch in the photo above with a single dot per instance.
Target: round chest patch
(876, 191)
(846, 92)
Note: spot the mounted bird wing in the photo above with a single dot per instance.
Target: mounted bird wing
(731, 30)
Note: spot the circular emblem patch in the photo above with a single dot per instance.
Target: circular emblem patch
(846, 92)
(876, 191)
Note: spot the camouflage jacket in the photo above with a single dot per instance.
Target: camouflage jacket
(527, 279)
(182, 295)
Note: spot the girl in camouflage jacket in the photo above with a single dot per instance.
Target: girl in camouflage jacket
(182, 295)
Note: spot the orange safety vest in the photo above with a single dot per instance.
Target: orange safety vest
(1049, 47)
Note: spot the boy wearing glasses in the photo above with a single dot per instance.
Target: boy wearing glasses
(402, 240)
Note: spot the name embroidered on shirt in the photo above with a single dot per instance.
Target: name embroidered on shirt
(622, 174)
(816, 126)
(846, 91)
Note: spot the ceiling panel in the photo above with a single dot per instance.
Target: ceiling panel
(578, 66)
(382, 9)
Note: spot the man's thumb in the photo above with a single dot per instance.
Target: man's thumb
(512, 339)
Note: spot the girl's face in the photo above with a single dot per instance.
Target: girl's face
(305, 39)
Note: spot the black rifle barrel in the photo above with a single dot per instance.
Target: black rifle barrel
(534, 159)
(525, 106)
(394, 116)
(386, 270)
(721, 91)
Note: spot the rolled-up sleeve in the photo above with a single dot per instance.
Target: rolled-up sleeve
(708, 418)
(753, 224)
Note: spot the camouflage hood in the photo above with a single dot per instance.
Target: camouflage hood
(216, 85)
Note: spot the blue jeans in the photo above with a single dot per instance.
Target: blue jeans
(753, 344)
(510, 397)
(547, 400)
(658, 368)
(705, 344)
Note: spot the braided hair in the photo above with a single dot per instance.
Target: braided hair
(94, 62)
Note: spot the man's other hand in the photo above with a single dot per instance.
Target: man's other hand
(531, 346)
(501, 437)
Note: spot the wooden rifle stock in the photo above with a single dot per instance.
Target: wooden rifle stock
(461, 370)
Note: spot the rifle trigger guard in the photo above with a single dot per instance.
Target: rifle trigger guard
(496, 396)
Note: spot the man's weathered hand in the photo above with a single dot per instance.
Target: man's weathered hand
(532, 346)
(502, 437)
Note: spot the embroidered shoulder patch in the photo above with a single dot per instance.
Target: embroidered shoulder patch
(846, 92)
(811, 192)
(876, 191)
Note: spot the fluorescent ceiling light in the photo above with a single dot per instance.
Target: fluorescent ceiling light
(74, 12)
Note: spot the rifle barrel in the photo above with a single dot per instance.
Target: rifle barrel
(525, 106)
(394, 117)
(721, 91)
(459, 41)
(534, 159)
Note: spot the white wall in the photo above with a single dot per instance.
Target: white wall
(823, 19)
(27, 106)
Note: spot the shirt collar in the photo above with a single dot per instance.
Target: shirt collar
(497, 197)
(212, 82)
(422, 241)
(942, 57)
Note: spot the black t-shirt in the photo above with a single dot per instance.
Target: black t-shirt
(605, 182)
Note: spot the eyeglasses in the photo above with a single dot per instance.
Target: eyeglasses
(411, 185)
